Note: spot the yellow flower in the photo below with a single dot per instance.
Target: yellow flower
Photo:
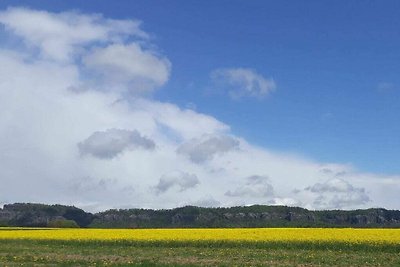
(347, 235)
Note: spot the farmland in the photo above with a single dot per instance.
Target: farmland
(171, 247)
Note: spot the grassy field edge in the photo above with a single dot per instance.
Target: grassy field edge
(325, 245)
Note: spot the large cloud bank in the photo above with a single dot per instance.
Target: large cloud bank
(76, 127)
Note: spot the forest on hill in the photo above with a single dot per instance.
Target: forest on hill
(42, 215)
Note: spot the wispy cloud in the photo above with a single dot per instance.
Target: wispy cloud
(205, 148)
(386, 87)
(242, 82)
(256, 186)
(181, 180)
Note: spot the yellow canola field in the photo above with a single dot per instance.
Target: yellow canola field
(348, 235)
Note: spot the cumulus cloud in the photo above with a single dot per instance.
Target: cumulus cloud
(333, 185)
(242, 82)
(112, 142)
(60, 35)
(178, 179)
(117, 49)
(182, 124)
(205, 148)
(129, 64)
(337, 193)
(256, 187)
(51, 100)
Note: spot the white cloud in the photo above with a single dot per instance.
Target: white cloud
(242, 82)
(256, 187)
(206, 202)
(285, 201)
(184, 124)
(117, 52)
(42, 121)
(60, 35)
(142, 70)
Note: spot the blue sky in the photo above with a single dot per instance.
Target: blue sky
(328, 59)
(331, 102)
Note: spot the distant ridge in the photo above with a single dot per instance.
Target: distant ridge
(42, 215)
